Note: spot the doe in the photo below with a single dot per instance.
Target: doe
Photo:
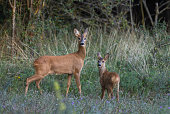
(70, 64)
(108, 80)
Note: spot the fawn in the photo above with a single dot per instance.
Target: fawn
(70, 64)
(108, 80)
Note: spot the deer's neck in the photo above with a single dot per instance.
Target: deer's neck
(82, 52)
(102, 71)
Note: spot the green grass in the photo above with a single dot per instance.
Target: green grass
(143, 68)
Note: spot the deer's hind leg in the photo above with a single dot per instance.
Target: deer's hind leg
(117, 95)
(109, 93)
(38, 85)
(31, 79)
(41, 71)
(112, 90)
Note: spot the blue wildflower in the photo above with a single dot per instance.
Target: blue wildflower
(107, 102)
(73, 103)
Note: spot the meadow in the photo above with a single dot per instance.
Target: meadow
(141, 58)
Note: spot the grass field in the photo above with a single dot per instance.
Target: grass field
(142, 64)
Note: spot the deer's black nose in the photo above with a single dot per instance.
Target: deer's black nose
(81, 43)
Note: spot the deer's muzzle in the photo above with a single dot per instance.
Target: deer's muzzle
(82, 43)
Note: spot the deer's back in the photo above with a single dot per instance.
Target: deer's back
(65, 64)
(109, 78)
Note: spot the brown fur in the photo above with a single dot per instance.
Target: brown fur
(65, 64)
(108, 80)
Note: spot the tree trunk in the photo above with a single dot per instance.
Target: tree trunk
(131, 16)
(13, 27)
(143, 17)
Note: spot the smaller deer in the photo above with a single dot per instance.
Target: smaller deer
(108, 80)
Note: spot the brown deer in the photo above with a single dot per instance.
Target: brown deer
(108, 80)
(70, 64)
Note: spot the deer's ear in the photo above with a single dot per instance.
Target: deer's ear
(77, 33)
(85, 32)
(106, 56)
(98, 55)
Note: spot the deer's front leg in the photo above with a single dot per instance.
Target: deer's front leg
(68, 83)
(103, 92)
(112, 95)
(77, 77)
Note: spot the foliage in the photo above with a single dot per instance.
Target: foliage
(143, 72)
(67, 13)
(140, 57)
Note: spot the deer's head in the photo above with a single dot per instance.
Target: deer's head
(81, 37)
(101, 61)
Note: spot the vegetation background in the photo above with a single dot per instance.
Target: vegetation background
(134, 32)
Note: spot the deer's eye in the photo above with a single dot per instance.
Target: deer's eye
(84, 38)
(102, 61)
(79, 38)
